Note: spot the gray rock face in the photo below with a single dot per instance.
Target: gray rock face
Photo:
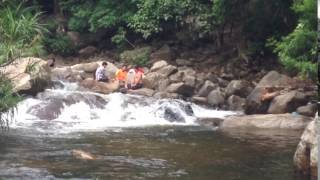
(236, 103)
(216, 98)
(267, 121)
(308, 110)
(207, 87)
(176, 77)
(238, 87)
(306, 155)
(167, 70)
(100, 87)
(254, 105)
(287, 102)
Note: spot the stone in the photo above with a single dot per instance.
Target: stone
(142, 92)
(183, 62)
(176, 77)
(287, 102)
(240, 88)
(189, 80)
(158, 65)
(180, 88)
(100, 87)
(28, 75)
(87, 51)
(207, 87)
(306, 156)
(308, 110)
(236, 103)
(254, 105)
(198, 99)
(168, 70)
(267, 121)
(86, 67)
(161, 95)
(209, 122)
(216, 98)
(163, 84)
(151, 80)
(164, 53)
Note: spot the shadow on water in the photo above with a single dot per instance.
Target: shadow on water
(159, 152)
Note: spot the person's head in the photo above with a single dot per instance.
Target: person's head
(51, 62)
(104, 64)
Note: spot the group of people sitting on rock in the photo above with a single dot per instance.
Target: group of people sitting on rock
(128, 78)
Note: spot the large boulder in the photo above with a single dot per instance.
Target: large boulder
(164, 53)
(254, 105)
(176, 77)
(287, 102)
(28, 75)
(267, 121)
(158, 65)
(308, 110)
(167, 70)
(206, 88)
(100, 87)
(183, 62)
(236, 103)
(306, 155)
(152, 80)
(240, 88)
(216, 98)
(180, 88)
(86, 67)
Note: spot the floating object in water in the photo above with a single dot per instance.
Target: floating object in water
(79, 154)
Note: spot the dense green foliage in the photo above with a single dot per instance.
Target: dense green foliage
(59, 44)
(20, 32)
(298, 50)
(7, 99)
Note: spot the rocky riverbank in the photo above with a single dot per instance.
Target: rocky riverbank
(229, 86)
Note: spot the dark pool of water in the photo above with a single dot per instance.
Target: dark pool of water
(150, 153)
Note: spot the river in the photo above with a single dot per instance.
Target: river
(68, 133)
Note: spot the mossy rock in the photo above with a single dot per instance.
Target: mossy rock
(139, 56)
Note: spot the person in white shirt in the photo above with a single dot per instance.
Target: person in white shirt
(100, 74)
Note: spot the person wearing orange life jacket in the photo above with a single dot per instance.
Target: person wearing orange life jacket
(134, 78)
(121, 75)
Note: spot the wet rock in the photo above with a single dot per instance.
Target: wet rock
(254, 105)
(216, 98)
(308, 110)
(240, 88)
(306, 155)
(190, 81)
(180, 88)
(173, 115)
(267, 121)
(164, 53)
(87, 51)
(142, 91)
(287, 102)
(100, 87)
(47, 110)
(236, 103)
(163, 84)
(28, 75)
(207, 87)
(162, 95)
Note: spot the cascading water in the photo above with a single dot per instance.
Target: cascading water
(67, 107)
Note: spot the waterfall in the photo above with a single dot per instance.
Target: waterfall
(66, 108)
